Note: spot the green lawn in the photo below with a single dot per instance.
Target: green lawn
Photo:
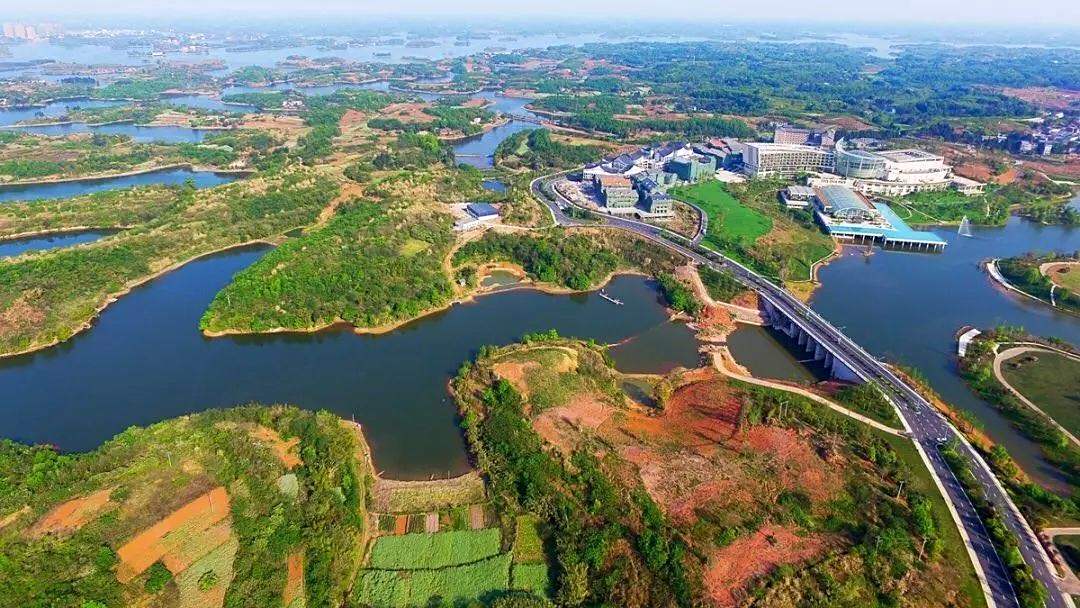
(1051, 381)
(729, 220)
(1069, 279)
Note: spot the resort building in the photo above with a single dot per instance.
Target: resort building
(849, 216)
(763, 159)
(616, 192)
(797, 197)
(891, 172)
(693, 168)
(787, 134)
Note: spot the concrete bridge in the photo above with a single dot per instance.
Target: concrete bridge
(527, 118)
(819, 350)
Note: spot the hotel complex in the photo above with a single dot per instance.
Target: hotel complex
(890, 173)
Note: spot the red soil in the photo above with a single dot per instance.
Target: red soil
(735, 565)
(72, 515)
(294, 578)
(141, 552)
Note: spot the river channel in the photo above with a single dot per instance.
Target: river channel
(145, 361)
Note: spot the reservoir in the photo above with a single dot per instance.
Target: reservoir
(53, 110)
(13, 247)
(478, 150)
(906, 307)
(145, 361)
(168, 135)
(171, 177)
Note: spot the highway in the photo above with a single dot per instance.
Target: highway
(927, 426)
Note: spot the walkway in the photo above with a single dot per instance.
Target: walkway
(722, 368)
(1009, 353)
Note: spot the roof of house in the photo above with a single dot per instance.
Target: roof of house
(614, 181)
(479, 210)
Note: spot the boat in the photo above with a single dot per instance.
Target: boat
(603, 294)
(965, 227)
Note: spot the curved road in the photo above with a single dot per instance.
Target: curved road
(926, 425)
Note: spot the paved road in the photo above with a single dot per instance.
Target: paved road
(925, 424)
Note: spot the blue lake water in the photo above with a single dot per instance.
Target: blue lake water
(14, 247)
(172, 135)
(52, 110)
(144, 361)
(201, 179)
(907, 307)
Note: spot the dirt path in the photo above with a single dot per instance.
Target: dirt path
(741, 314)
(476, 517)
(718, 362)
(1009, 353)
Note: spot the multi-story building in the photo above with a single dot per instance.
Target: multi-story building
(616, 192)
(787, 134)
(693, 168)
(764, 159)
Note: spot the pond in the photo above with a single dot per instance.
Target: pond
(145, 361)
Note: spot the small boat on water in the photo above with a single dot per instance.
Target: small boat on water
(603, 294)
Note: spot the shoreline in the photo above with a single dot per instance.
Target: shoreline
(341, 324)
(127, 289)
(134, 172)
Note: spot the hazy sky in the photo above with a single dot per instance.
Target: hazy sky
(1061, 13)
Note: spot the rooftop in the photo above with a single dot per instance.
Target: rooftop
(908, 155)
(614, 181)
(481, 210)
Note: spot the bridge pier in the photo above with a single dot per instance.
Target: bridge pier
(778, 320)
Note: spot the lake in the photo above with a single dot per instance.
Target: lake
(55, 110)
(201, 179)
(13, 247)
(908, 306)
(169, 135)
(145, 361)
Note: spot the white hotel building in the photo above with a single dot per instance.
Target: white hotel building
(890, 173)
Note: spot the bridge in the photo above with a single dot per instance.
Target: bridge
(536, 120)
(927, 427)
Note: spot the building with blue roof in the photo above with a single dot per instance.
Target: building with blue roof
(849, 216)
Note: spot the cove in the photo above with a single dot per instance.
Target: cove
(169, 177)
(168, 135)
(14, 247)
(145, 361)
(907, 307)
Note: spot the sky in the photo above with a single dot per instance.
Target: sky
(1061, 13)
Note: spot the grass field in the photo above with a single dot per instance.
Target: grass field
(528, 548)
(728, 218)
(1050, 381)
(1066, 275)
(420, 551)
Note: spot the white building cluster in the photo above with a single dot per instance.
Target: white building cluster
(890, 173)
